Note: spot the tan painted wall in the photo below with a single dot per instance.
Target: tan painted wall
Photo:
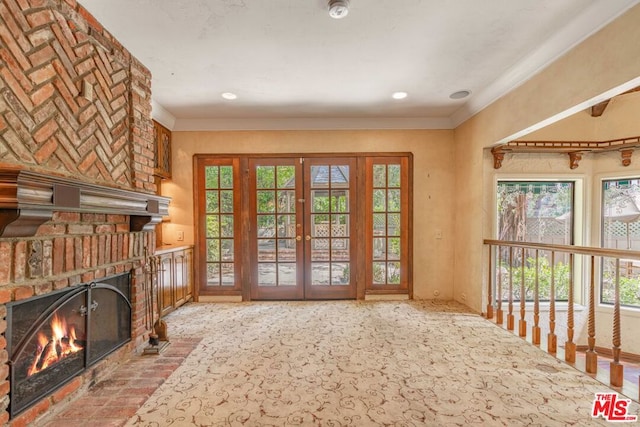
(434, 179)
(606, 60)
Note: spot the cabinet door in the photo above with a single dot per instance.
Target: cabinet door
(165, 284)
(180, 283)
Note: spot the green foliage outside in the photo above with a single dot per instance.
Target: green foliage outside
(629, 289)
(561, 280)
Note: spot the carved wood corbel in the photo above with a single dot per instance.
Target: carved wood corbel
(574, 159)
(626, 157)
(498, 156)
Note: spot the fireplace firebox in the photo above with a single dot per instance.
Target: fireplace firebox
(53, 338)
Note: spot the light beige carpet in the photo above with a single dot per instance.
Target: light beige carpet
(347, 363)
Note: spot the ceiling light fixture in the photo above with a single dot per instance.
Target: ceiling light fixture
(338, 9)
(399, 95)
(460, 94)
(229, 96)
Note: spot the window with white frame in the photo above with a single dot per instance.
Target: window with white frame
(536, 212)
(621, 230)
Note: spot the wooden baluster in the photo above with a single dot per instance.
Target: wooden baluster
(535, 331)
(616, 370)
(570, 346)
(591, 365)
(510, 318)
(522, 324)
(490, 289)
(552, 339)
(499, 314)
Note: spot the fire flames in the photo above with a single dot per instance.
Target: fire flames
(50, 350)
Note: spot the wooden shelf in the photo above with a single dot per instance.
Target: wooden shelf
(575, 149)
(28, 199)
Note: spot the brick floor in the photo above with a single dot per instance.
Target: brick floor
(111, 402)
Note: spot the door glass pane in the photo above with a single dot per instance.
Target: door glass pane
(266, 274)
(211, 177)
(379, 200)
(265, 177)
(226, 248)
(228, 275)
(266, 250)
(379, 273)
(340, 273)
(320, 201)
(286, 250)
(286, 201)
(340, 201)
(213, 250)
(379, 176)
(266, 201)
(320, 273)
(286, 226)
(286, 176)
(213, 274)
(266, 226)
(212, 202)
(226, 177)
(226, 226)
(286, 274)
(226, 203)
(394, 176)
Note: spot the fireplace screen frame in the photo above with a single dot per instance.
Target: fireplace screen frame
(120, 284)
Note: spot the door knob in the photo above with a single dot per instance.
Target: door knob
(299, 238)
(307, 237)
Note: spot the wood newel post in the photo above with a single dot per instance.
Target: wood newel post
(510, 318)
(592, 357)
(616, 370)
(499, 319)
(490, 288)
(522, 324)
(535, 331)
(570, 346)
(552, 339)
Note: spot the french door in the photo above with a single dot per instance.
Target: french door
(318, 227)
(301, 214)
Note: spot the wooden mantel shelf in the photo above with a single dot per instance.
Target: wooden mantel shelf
(574, 149)
(28, 199)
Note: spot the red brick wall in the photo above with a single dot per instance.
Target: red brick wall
(51, 51)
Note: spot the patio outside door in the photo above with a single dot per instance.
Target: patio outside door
(301, 213)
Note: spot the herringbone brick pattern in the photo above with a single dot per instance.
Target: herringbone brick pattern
(64, 93)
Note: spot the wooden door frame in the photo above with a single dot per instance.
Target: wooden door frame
(243, 288)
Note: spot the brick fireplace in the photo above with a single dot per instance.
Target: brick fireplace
(77, 192)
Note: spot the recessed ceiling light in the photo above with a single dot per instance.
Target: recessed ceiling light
(399, 95)
(338, 9)
(460, 94)
(230, 96)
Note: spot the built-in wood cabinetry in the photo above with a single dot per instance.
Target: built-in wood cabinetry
(162, 142)
(175, 277)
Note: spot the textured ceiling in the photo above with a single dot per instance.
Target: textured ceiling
(287, 59)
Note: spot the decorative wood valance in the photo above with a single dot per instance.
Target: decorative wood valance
(575, 149)
(28, 199)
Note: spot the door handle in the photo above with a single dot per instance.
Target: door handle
(298, 238)
(307, 238)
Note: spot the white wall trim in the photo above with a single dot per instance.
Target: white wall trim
(162, 116)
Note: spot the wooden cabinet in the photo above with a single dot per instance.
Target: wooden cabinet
(162, 145)
(175, 277)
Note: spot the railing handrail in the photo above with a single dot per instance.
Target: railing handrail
(583, 250)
